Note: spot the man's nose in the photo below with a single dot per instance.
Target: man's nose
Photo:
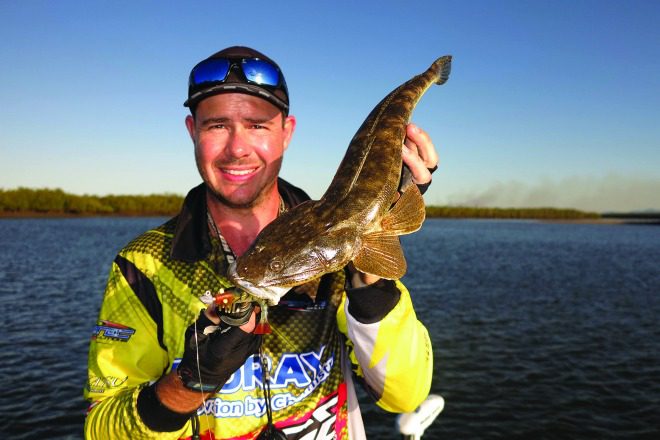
(238, 145)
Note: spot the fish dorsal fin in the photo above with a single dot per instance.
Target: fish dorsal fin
(381, 255)
(407, 214)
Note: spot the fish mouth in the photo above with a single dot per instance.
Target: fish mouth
(283, 282)
(286, 282)
(271, 293)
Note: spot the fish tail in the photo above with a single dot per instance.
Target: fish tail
(442, 67)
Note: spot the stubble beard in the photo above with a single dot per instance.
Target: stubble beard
(259, 196)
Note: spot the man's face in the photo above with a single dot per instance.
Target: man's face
(239, 142)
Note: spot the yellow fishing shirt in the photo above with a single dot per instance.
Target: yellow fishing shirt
(315, 354)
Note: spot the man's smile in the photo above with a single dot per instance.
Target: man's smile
(243, 172)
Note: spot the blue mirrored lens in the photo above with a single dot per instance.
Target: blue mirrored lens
(210, 71)
(260, 72)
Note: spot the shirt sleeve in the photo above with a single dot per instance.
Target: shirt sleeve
(125, 355)
(393, 356)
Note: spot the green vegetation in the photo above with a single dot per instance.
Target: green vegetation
(47, 202)
(26, 202)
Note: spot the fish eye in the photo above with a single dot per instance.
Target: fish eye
(276, 264)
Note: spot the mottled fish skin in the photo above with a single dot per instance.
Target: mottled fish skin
(354, 220)
(370, 171)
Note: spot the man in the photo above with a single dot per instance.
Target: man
(162, 365)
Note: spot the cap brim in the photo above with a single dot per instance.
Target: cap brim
(249, 89)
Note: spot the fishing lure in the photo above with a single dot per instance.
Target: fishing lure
(235, 306)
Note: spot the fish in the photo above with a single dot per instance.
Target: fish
(360, 216)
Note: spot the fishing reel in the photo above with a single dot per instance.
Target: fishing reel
(235, 306)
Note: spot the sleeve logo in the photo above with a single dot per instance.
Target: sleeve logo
(111, 331)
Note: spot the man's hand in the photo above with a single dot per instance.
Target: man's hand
(360, 279)
(419, 154)
(213, 352)
(220, 354)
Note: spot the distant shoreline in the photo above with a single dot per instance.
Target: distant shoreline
(55, 203)
(46, 215)
(607, 221)
(586, 221)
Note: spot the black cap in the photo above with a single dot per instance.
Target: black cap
(236, 83)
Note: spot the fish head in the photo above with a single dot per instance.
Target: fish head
(295, 249)
(271, 294)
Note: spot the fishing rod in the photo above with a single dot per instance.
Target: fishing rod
(413, 424)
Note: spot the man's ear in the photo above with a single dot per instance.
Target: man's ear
(190, 125)
(289, 128)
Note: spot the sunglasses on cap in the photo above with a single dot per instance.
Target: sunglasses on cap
(212, 74)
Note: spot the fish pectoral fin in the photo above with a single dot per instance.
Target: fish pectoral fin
(381, 255)
(407, 214)
(381, 252)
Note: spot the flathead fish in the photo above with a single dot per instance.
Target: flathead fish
(360, 216)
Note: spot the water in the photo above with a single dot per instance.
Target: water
(540, 330)
(52, 276)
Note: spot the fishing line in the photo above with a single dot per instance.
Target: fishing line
(199, 375)
(271, 432)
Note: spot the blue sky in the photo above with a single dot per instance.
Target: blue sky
(550, 103)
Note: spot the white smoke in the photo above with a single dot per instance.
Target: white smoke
(610, 193)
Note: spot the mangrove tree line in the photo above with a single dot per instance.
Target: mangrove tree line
(55, 201)
(26, 201)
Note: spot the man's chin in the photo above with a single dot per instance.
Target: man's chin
(235, 202)
(239, 199)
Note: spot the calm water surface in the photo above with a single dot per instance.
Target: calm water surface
(540, 330)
